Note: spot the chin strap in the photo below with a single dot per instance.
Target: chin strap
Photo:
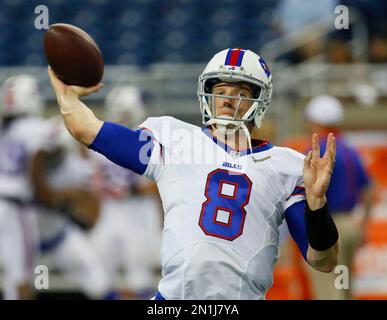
(222, 129)
(247, 133)
(221, 124)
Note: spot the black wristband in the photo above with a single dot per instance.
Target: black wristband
(320, 228)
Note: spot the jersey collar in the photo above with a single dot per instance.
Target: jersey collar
(258, 145)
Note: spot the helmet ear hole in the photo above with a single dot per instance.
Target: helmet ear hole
(257, 120)
(256, 91)
(259, 116)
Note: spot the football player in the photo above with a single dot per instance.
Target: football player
(62, 175)
(128, 234)
(21, 132)
(224, 194)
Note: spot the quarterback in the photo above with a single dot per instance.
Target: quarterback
(225, 194)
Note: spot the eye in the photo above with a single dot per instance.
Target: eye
(242, 94)
(219, 92)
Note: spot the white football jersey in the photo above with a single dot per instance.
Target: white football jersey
(222, 211)
(18, 142)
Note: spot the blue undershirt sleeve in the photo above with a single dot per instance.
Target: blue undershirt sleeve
(294, 216)
(128, 148)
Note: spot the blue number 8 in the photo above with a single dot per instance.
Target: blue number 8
(223, 214)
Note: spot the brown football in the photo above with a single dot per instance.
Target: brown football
(73, 55)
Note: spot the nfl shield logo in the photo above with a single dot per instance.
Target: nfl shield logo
(235, 154)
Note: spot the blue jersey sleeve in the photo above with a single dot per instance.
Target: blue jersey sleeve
(294, 216)
(128, 148)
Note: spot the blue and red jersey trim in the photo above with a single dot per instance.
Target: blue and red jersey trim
(258, 145)
(162, 153)
(298, 191)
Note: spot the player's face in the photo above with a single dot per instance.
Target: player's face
(227, 106)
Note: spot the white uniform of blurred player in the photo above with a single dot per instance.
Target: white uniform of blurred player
(21, 133)
(64, 244)
(129, 231)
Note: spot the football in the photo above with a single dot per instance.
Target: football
(73, 55)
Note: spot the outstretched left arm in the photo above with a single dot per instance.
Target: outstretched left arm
(322, 232)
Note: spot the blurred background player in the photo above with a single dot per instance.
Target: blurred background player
(21, 132)
(62, 175)
(128, 234)
(350, 186)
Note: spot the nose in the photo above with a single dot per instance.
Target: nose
(226, 101)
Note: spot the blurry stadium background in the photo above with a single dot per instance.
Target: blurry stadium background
(162, 46)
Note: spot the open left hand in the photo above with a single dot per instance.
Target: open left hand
(318, 171)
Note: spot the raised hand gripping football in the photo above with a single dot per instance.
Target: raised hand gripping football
(63, 90)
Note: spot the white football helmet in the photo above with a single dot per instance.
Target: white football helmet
(124, 104)
(325, 110)
(235, 65)
(20, 95)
